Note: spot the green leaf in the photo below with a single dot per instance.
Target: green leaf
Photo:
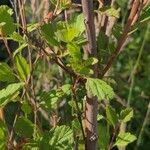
(99, 88)
(110, 11)
(49, 100)
(3, 136)
(126, 114)
(74, 51)
(33, 26)
(19, 49)
(7, 93)
(111, 116)
(103, 139)
(102, 41)
(90, 61)
(62, 137)
(17, 37)
(26, 108)
(22, 67)
(145, 14)
(63, 4)
(124, 139)
(117, 31)
(48, 33)
(66, 88)
(24, 127)
(6, 73)
(78, 24)
(67, 34)
(6, 22)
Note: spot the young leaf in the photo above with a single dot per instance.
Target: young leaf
(22, 67)
(124, 139)
(79, 24)
(6, 22)
(74, 51)
(7, 93)
(24, 127)
(67, 34)
(126, 114)
(111, 116)
(99, 88)
(6, 73)
(110, 11)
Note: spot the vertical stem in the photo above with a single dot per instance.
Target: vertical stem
(146, 120)
(91, 102)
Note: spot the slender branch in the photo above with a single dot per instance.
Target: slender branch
(146, 120)
(79, 113)
(134, 15)
(113, 136)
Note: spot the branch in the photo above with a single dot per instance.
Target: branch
(133, 17)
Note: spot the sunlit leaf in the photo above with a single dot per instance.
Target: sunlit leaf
(124, 139)
(7, 93)
(126, 114)
(99, 88)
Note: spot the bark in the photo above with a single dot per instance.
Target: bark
(91, 102)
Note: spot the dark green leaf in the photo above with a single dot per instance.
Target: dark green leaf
(103, 139)
(24, 127)
(22, 67)
(26, 108)
(111, 116)
(6, 22)
(6, 73)
(48, 33)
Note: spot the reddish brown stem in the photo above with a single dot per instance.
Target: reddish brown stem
(91, 102)
(134, 15)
